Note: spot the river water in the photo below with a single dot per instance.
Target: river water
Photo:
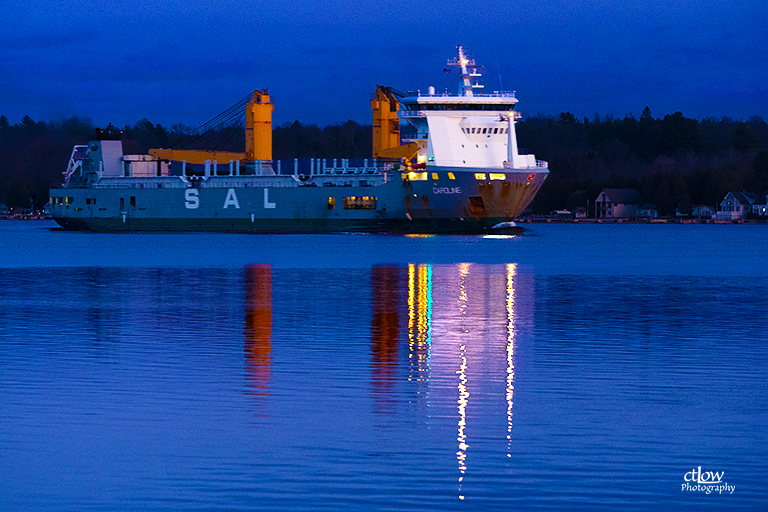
(574, 367)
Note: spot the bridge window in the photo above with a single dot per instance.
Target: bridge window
(331, 203)
(498, 107)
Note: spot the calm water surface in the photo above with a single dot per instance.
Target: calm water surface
(574, 367)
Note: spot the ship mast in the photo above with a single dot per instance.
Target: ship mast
(462, 62)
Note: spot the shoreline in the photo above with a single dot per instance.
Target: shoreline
(534, 220)
(540, 220)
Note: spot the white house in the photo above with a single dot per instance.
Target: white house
(648, 210)
(617, 203)
(736, 205)
(759, 206)
(702, 211)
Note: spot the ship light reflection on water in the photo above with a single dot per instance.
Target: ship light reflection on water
(461, 334)
(258, 330)
(463, 400)
(511, 271)
(419, 320)
(461, 338)
(478, 304)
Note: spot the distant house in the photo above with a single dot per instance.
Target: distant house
(648, 211)
(581, 212)
(3, 209)
(561, 214)
(702, 211)
(759, 206)
(617, 203)
(736, 205)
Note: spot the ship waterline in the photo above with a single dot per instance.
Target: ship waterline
(469, 202)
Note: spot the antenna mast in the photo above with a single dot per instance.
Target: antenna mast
(462, 62)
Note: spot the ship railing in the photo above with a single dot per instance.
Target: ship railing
(540, 164)
(330, 167)
(140, 182)
(276, 181)
(494, 94)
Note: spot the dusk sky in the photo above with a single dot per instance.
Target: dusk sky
(185, 61)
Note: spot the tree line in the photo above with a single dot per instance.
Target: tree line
(673, 161)
(35, 154)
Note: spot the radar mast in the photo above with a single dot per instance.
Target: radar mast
(461, 61)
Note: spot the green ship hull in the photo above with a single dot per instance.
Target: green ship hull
(448, 201)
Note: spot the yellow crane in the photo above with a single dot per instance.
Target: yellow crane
(258, 133)
(386, 128)
(258, 137)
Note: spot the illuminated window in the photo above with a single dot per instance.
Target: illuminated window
(480, 176)
(417, 176)
(331, 203)
(434, 175)
(359, 203)
(498, 176)
(451, 176)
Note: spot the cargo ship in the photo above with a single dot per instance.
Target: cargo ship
(458, 170)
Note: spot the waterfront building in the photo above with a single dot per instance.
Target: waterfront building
(617, 203)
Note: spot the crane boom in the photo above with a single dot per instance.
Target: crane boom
(258, 137)
(196, 157)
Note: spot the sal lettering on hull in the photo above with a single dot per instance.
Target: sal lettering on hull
(267, 204)
(231, 199)
(191, 200)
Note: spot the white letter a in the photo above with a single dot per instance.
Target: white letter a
(231, 199)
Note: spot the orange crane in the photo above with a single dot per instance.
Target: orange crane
(386, 127)
(258, 137)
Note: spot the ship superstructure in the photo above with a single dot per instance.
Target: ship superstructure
(459, 171)
(468, 129)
